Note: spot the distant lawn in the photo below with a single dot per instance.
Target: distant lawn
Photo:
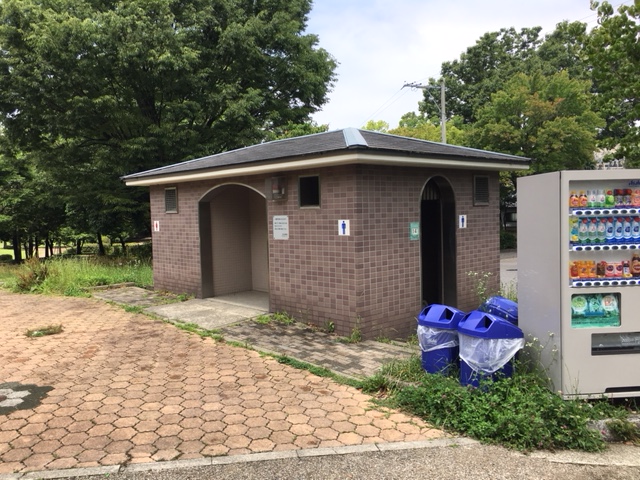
(6, 251)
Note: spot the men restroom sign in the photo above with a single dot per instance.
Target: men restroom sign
(343, 228)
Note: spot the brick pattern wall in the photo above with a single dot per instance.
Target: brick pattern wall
(312, 275)
(176, 247)
(369, 280)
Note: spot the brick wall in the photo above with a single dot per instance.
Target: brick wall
(369, 280)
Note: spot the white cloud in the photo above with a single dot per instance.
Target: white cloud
(381, 45)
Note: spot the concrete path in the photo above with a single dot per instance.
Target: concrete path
(119, 388)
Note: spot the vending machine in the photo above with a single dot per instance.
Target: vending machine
(579, 279)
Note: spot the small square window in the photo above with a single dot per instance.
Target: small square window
(171, 200)
(481, 190)
(309, 191)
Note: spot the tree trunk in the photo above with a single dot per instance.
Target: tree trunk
(101, 251)
(17, 251)
(78, 247)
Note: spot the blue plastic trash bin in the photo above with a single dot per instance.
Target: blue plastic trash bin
(501, 307)
(487, 345)
(438, 337)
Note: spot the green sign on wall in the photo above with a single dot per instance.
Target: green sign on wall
(414, 230)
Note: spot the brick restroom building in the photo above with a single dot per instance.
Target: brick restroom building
(352, 228)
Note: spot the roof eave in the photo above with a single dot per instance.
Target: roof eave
(349, 158)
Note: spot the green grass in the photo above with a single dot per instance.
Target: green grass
(319, 371)
(73, 276)
(518, 412)
(278, 317)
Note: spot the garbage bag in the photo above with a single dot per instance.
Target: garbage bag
(488, 355)
(431, 338)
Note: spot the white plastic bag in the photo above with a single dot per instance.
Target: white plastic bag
(488, 355)
(431, 338)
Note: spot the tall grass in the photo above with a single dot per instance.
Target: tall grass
(72, 276)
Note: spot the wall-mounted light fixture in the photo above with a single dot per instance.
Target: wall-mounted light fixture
(277, 188)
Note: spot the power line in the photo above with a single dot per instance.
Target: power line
(393, 99)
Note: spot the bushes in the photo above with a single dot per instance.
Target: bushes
(508, 240)
(517, 412)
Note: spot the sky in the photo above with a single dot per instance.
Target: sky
(381, 45)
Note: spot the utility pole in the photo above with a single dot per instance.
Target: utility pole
(443, 116)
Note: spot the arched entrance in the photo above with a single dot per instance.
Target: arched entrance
(438, 243)
(233, 241)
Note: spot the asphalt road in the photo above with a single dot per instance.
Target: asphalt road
(450, 462)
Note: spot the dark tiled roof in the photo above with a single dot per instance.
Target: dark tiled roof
(338, 141)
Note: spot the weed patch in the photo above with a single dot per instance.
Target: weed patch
(44, 331)
(278, 317)
(72, 276)
(198, 330)
(519, 412)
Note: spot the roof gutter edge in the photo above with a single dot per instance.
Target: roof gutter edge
(329, 161)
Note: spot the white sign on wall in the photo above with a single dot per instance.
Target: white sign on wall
(462, 221)
(343, 228)
(281, 227)
(156, 226)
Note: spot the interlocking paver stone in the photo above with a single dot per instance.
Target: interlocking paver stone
(128, 388)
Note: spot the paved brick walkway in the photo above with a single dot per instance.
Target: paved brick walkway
(356, 360)
(128, 389)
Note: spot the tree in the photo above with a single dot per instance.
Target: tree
(417, 126)
(31, 209)
(296, 130)
(546, 118)
(615, 54)
(99, 89)
(496, 57)
(376, 126)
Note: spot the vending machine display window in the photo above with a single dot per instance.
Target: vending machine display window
(595, 310)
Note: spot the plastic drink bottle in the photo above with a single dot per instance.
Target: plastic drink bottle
(618, 229)
(574, 201)
(583, 231)
(600, 200)
(583, 199)
(592, 227)
(592, 196)
(627, 197)
(602, 230)
(626, 229)
(635, 228)
(610, 233)
(609, 200)
(618, 196)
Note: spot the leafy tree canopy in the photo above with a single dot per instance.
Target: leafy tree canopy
(614, 51)
(497, 56)
(546, 118)
(93, 90)
(417, 126)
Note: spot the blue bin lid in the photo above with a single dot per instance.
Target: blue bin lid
(485, 325)
(440, 316)
(502, 307)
